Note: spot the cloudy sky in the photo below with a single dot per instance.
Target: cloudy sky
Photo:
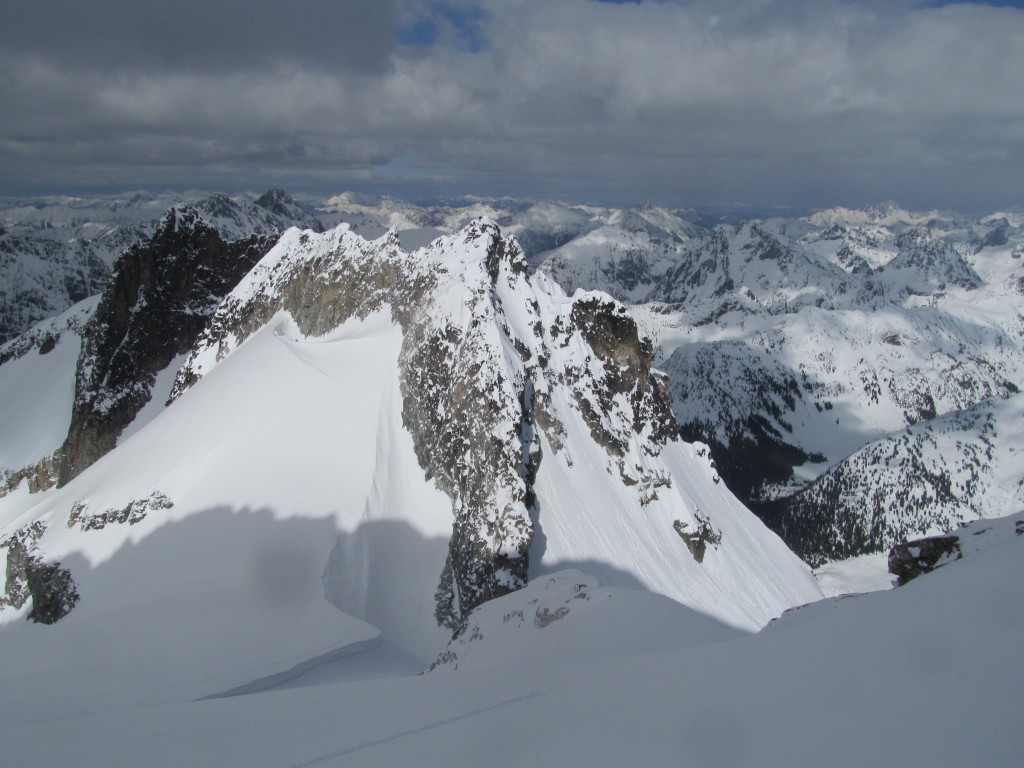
(805, 103)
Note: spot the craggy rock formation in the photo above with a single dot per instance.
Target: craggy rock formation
(484, 354)
(133, 512)
(159, 300)
(624, 371)
(910, 559)
(50, 587)
(697, 540)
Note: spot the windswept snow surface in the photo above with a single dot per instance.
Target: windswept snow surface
(926, 674)
(864, 573)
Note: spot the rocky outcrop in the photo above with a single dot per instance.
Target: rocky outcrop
(698, 538)
(133, 512)
(910, 559)
(162, 294)
(28, 576)
(155, 306)
(53, 592)
(39, 476)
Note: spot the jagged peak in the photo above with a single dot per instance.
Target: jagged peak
(485, 350)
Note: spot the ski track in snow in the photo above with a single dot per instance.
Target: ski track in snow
(416, 731)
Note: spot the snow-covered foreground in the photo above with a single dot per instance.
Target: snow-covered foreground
(926, 674)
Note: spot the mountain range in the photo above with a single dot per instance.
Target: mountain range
(252, 443)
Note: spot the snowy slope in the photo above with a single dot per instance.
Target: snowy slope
(594, 442)
(242, 448)
(364, 441)
(617, 678)
(790, 343)
(37, 373)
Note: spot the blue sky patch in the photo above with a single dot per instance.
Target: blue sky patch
(462, 24)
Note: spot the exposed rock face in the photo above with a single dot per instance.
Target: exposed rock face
(159, 300)
(479, 367)
(132, 513)
(157, 303)
(50, 587)
(697, 540)
(19, 547)
(618, 370)
(53, 592)
(39, 476)
(910, 559)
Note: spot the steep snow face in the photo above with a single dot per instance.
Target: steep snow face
(159, 298)
(36, 395)
(287, 466)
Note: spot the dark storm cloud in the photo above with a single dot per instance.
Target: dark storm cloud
(761, 101)
(201, 35)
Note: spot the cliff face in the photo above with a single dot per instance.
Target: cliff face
(161, 295)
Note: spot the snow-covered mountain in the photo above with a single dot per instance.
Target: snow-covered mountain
(791, 344)
(931, 477)
(162, 290)
(459, 425)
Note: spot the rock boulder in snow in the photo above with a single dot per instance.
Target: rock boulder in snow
(910, 559)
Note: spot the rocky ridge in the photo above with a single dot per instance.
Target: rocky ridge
(489, 361)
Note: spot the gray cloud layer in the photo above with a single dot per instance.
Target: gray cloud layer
(803, 103)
